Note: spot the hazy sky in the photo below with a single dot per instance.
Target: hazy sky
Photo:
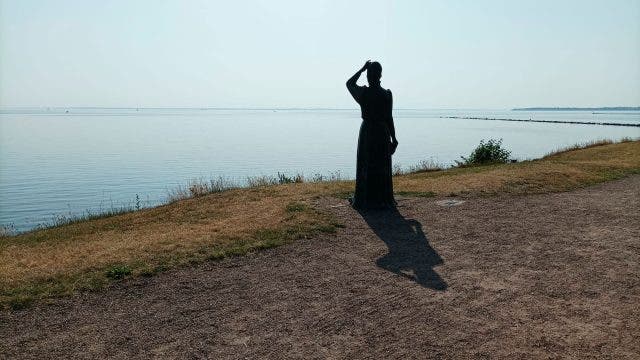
(435, 54)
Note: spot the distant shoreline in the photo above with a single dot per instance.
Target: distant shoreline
(611, 108)
(542, 121)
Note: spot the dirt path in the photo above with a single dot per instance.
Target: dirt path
(544, 276)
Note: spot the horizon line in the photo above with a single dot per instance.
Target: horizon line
(300, 108)
(231, 108)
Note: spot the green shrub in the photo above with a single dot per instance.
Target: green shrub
(489, 152)
(117, 272)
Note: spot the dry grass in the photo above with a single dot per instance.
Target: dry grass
(587, 145)
(557, 172)
(58, 261)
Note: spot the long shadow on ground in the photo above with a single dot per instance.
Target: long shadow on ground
(410, 254)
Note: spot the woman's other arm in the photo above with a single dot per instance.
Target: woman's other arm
(352, 86)
(392, 128)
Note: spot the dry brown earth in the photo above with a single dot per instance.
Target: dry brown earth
(540, 276)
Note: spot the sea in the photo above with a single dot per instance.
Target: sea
(65, 162)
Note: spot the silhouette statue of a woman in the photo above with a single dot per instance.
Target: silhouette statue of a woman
(376, 143)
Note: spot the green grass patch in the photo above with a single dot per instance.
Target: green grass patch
(117, 272)
(20, 302)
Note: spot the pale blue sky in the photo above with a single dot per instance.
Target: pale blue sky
(277, 53)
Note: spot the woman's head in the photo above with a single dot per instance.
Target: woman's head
(374, 72)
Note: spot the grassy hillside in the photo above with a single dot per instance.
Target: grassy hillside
(88, 255)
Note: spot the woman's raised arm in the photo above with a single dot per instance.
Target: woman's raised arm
(352, 86)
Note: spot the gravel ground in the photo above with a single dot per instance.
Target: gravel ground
(541, 276)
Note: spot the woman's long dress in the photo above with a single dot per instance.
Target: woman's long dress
(374, 186)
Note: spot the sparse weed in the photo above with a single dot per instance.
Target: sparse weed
(200, 187)
(68, 219)
(7, 230)
(332, 176)
(284, 179)
(397, 170)
(422, 166)
(258, 181)
(425, 166)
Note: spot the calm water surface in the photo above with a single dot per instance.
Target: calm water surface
(58, 163)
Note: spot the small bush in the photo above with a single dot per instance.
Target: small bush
(117, 272)
(489, 152)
